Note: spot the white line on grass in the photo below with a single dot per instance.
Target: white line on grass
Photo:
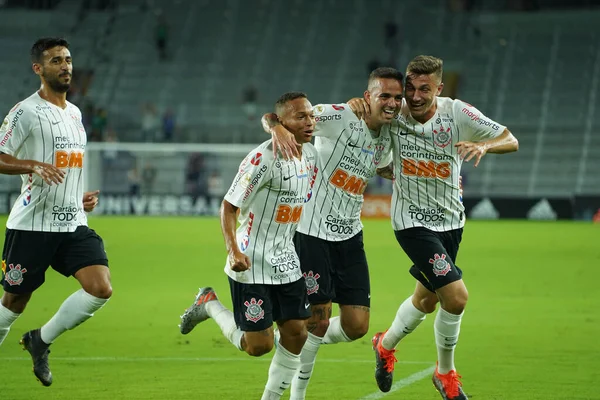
(184, 359)
(402, 383)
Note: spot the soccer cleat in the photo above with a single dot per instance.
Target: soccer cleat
(449, 385)
(384, 364)
(197, 313)
(32, 342)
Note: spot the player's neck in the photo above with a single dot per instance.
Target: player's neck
(374, 127)
(300, 151)
(58, 99)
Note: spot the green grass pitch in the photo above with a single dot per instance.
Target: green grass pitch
(530, 331)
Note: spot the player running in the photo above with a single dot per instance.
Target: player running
(43, 140)
(263, 268)
(431, 137)
(329, 240)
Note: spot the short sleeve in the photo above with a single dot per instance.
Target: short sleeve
(473, 125)
(331, 119)
(253, 173)
(14, 130)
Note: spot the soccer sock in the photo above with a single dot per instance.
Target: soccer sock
(281, 372)
(335, 333)
(446, 328)
(7, 318)
(77, 308)
(407, 319)
(307, 363)
(224, 318)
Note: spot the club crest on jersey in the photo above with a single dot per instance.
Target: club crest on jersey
(256, 159)
(441, 267)
(443, 137)
(378, 153)
(311, 280)
(14, 275)
(254, 311)
(78, 123)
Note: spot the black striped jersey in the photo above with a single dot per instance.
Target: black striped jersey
(271, 195)
(350, 155)
(427, 164)
(36, 129)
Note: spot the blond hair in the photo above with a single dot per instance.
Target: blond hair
(425, 65)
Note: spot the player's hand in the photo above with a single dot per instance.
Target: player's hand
(285, 143)
(238, 261)
(90, 200)
(468, 150)
(360, 107)
(48, 172)
(386, 172)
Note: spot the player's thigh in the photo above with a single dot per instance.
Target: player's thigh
(290, 301)
(82, 248)
(316, 263)
(351, 274)
(433, 265)
(25, 257)
(252, 306)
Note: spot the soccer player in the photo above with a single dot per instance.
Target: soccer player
(329, 240)
(43, 140)
(431, 137)
(263, 268)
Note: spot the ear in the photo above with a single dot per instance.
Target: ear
(367, 96)
(440, 88)
(37, 68)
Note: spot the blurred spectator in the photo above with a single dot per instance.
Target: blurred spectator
(150, 122)
(391, 41)
(133, 178)
(194, 178)
(148, 178)
(162, 33)
(169, 125)
(249, 102)
(110, 154)
(99, 121)
(215, 185)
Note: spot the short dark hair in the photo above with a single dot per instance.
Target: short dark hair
(425, 65)
(385, 73)
(289, 96)
(43, 44)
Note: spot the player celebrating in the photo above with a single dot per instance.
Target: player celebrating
(264, 271)
(43, 140)
(431, 137)
(329, 240)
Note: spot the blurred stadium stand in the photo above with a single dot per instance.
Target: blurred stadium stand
(536, 70)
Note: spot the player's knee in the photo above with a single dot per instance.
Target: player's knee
(258, 349)
(15, 302)
(355, 329)
(428, 304)
(319, 328)
(101, 290)
(457, 304)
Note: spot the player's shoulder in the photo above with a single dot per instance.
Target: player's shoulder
(26, 106)
(332, 112)
(456, 106)
(262, 153)
(73, 108)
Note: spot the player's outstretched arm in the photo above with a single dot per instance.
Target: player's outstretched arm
(238, 261)
(504, 143)
(283, 140)
(10, 165)
(386, 172)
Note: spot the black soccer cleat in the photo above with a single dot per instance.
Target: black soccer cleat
(384, 364)
(32, 342)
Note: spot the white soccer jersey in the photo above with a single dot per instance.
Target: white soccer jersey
(39, 130)
(271, 195)
(349, 156)
(427, 165)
